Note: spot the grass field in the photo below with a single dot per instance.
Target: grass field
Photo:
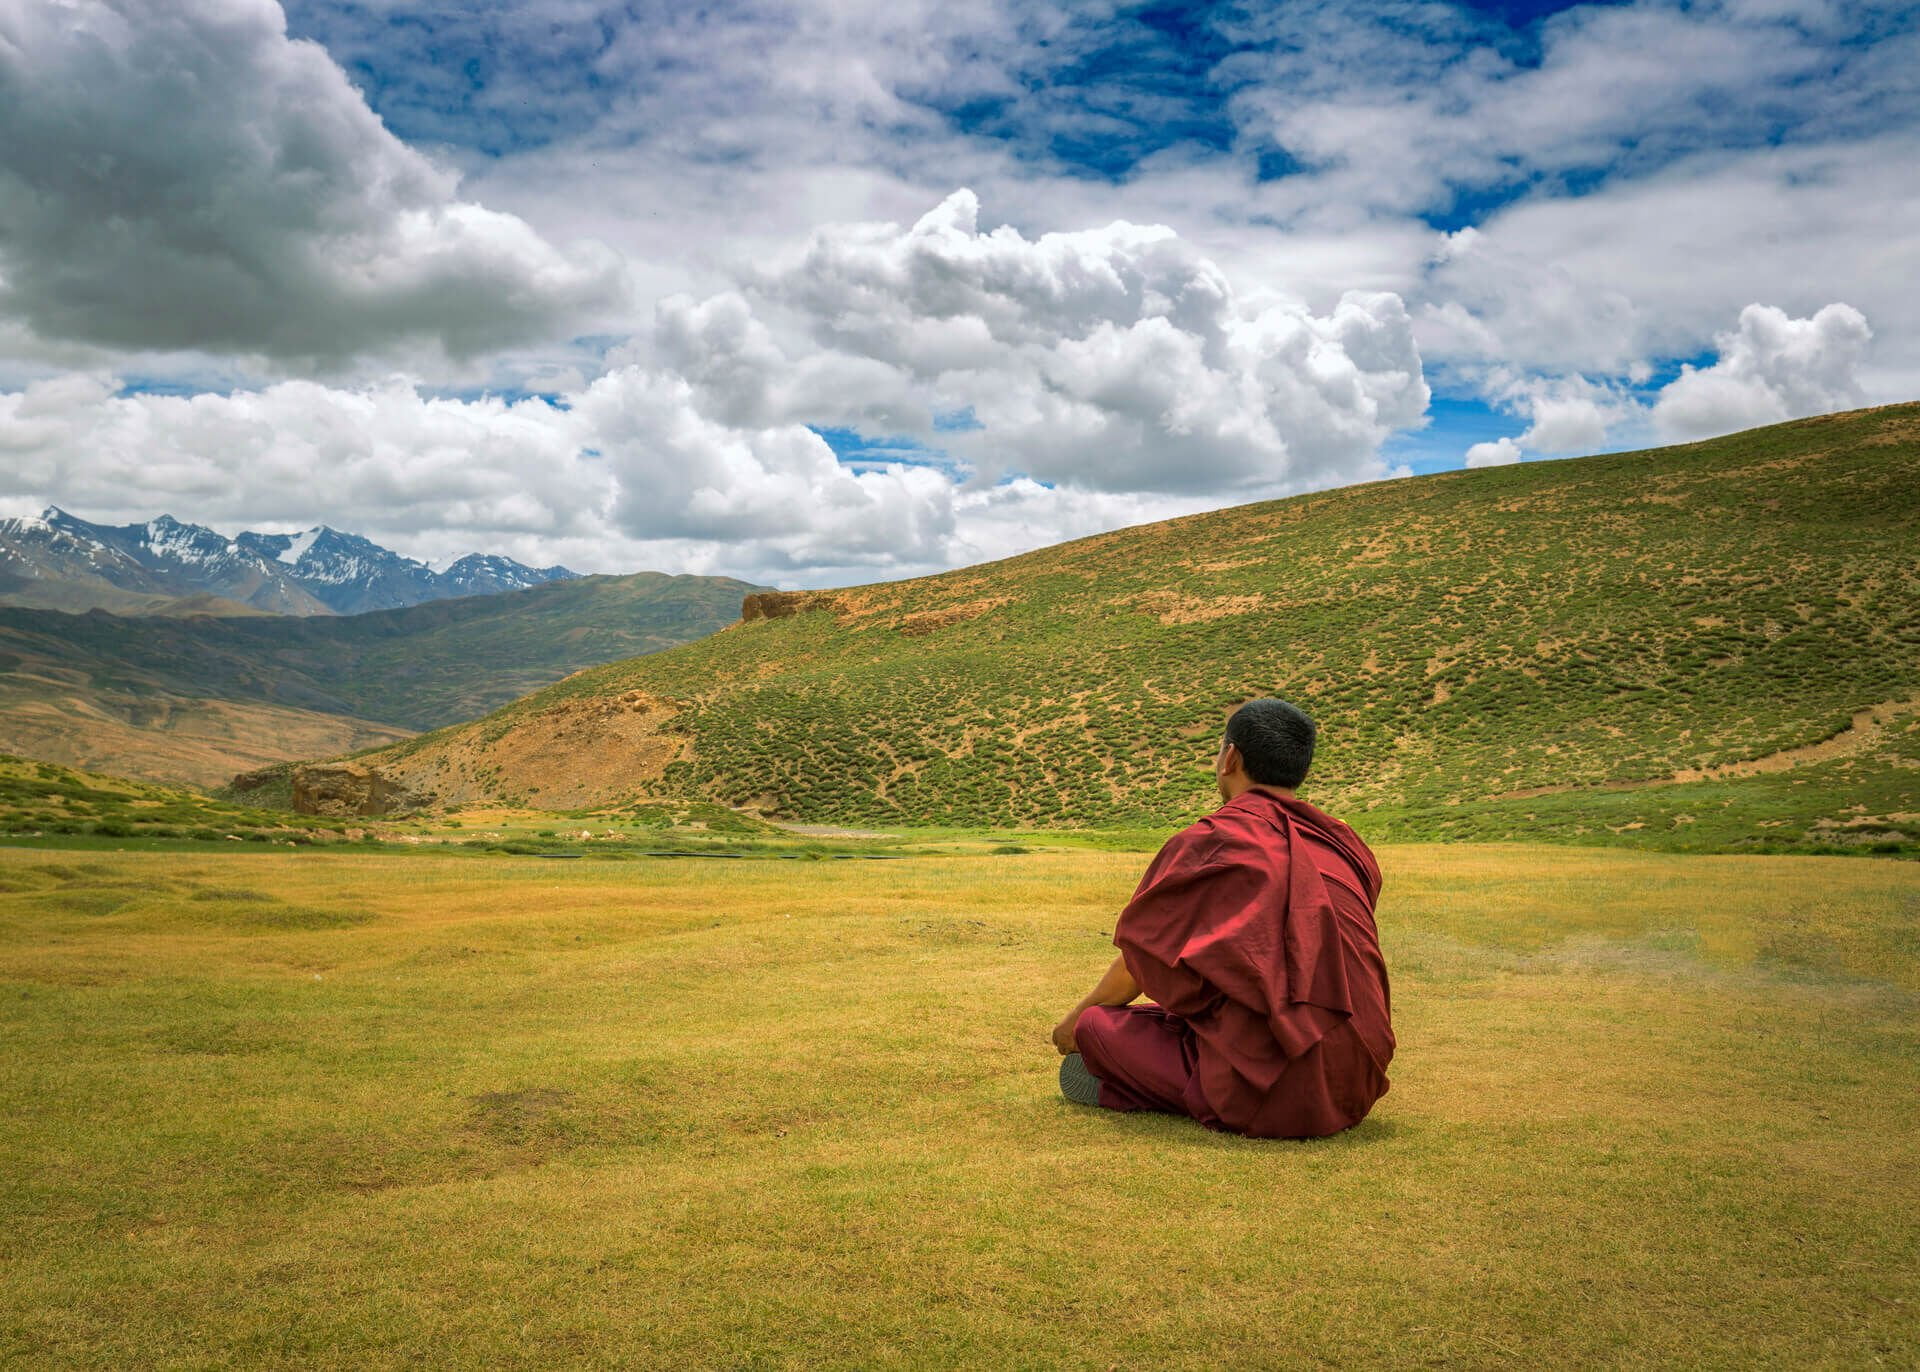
(347, 1108)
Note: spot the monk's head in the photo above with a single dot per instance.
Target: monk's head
(1269, 744)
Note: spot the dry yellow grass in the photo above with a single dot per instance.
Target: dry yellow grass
(375, 1110)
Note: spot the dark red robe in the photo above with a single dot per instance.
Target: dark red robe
(1253, 930)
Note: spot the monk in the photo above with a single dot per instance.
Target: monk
(1253, 932)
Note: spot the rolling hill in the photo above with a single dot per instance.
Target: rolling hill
(1714, 645)
(194, 699)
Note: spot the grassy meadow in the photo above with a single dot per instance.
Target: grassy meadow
(357, 1108)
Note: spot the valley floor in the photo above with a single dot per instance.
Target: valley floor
(339, 1108)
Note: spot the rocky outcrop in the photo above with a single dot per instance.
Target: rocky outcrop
(861, 606)
(783, 604)
(349, 788)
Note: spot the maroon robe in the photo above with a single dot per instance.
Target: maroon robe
(1253, 930)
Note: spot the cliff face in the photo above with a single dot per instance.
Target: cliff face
(348, 788)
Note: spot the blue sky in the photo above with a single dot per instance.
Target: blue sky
(755, 259)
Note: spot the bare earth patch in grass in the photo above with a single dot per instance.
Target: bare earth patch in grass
(1648, 1110)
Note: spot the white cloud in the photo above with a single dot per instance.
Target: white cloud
(381, 456)
(626, 473)
(1110, 374)
(1566, 413)
(1399, 110)
(1498, 453)
(677, 473)
(1564, 424)
(1665, 164)
(1113, 359)
(1712, 143)
(1653, 267)
(182, 176)
(1491, 304)
(1771, 368)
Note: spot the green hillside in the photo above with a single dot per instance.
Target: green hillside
(1670, 645)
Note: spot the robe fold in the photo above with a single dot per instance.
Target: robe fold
(1253, 929)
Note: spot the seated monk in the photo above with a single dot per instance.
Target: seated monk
(1253, 931)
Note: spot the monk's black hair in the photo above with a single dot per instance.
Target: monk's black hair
(1275, 740)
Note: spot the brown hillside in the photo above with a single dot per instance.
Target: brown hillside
(173, 739)
(570, 757)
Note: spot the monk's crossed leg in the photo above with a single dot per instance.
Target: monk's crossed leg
(1143, 1057)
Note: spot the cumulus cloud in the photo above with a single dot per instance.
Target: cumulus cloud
(1567, 413)
(1653, 267)
(1047, 387)
(1492, 301)
(382, 455)
(678, 473)
(1632, 170)
(183, 176)
(1500, 452)
(1113, 359)
(1771, 368)
(1565, 423)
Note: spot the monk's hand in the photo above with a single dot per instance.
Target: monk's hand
(1063, 1035)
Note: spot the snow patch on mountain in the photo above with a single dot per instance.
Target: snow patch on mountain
(297, 548)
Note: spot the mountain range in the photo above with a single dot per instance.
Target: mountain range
(58, 561)
(194, 699)
(1712, 646)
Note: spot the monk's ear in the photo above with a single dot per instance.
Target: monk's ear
(1229, 759)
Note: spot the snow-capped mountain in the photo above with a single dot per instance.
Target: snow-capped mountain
(345, 571)
(60, 558)
(489, 574)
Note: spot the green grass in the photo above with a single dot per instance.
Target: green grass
(44, 801)
(45, 805)
(376, 1110)
(1608, 621)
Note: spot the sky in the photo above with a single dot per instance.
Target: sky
(824, 293)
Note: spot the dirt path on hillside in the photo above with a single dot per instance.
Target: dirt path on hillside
(1866, 729)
